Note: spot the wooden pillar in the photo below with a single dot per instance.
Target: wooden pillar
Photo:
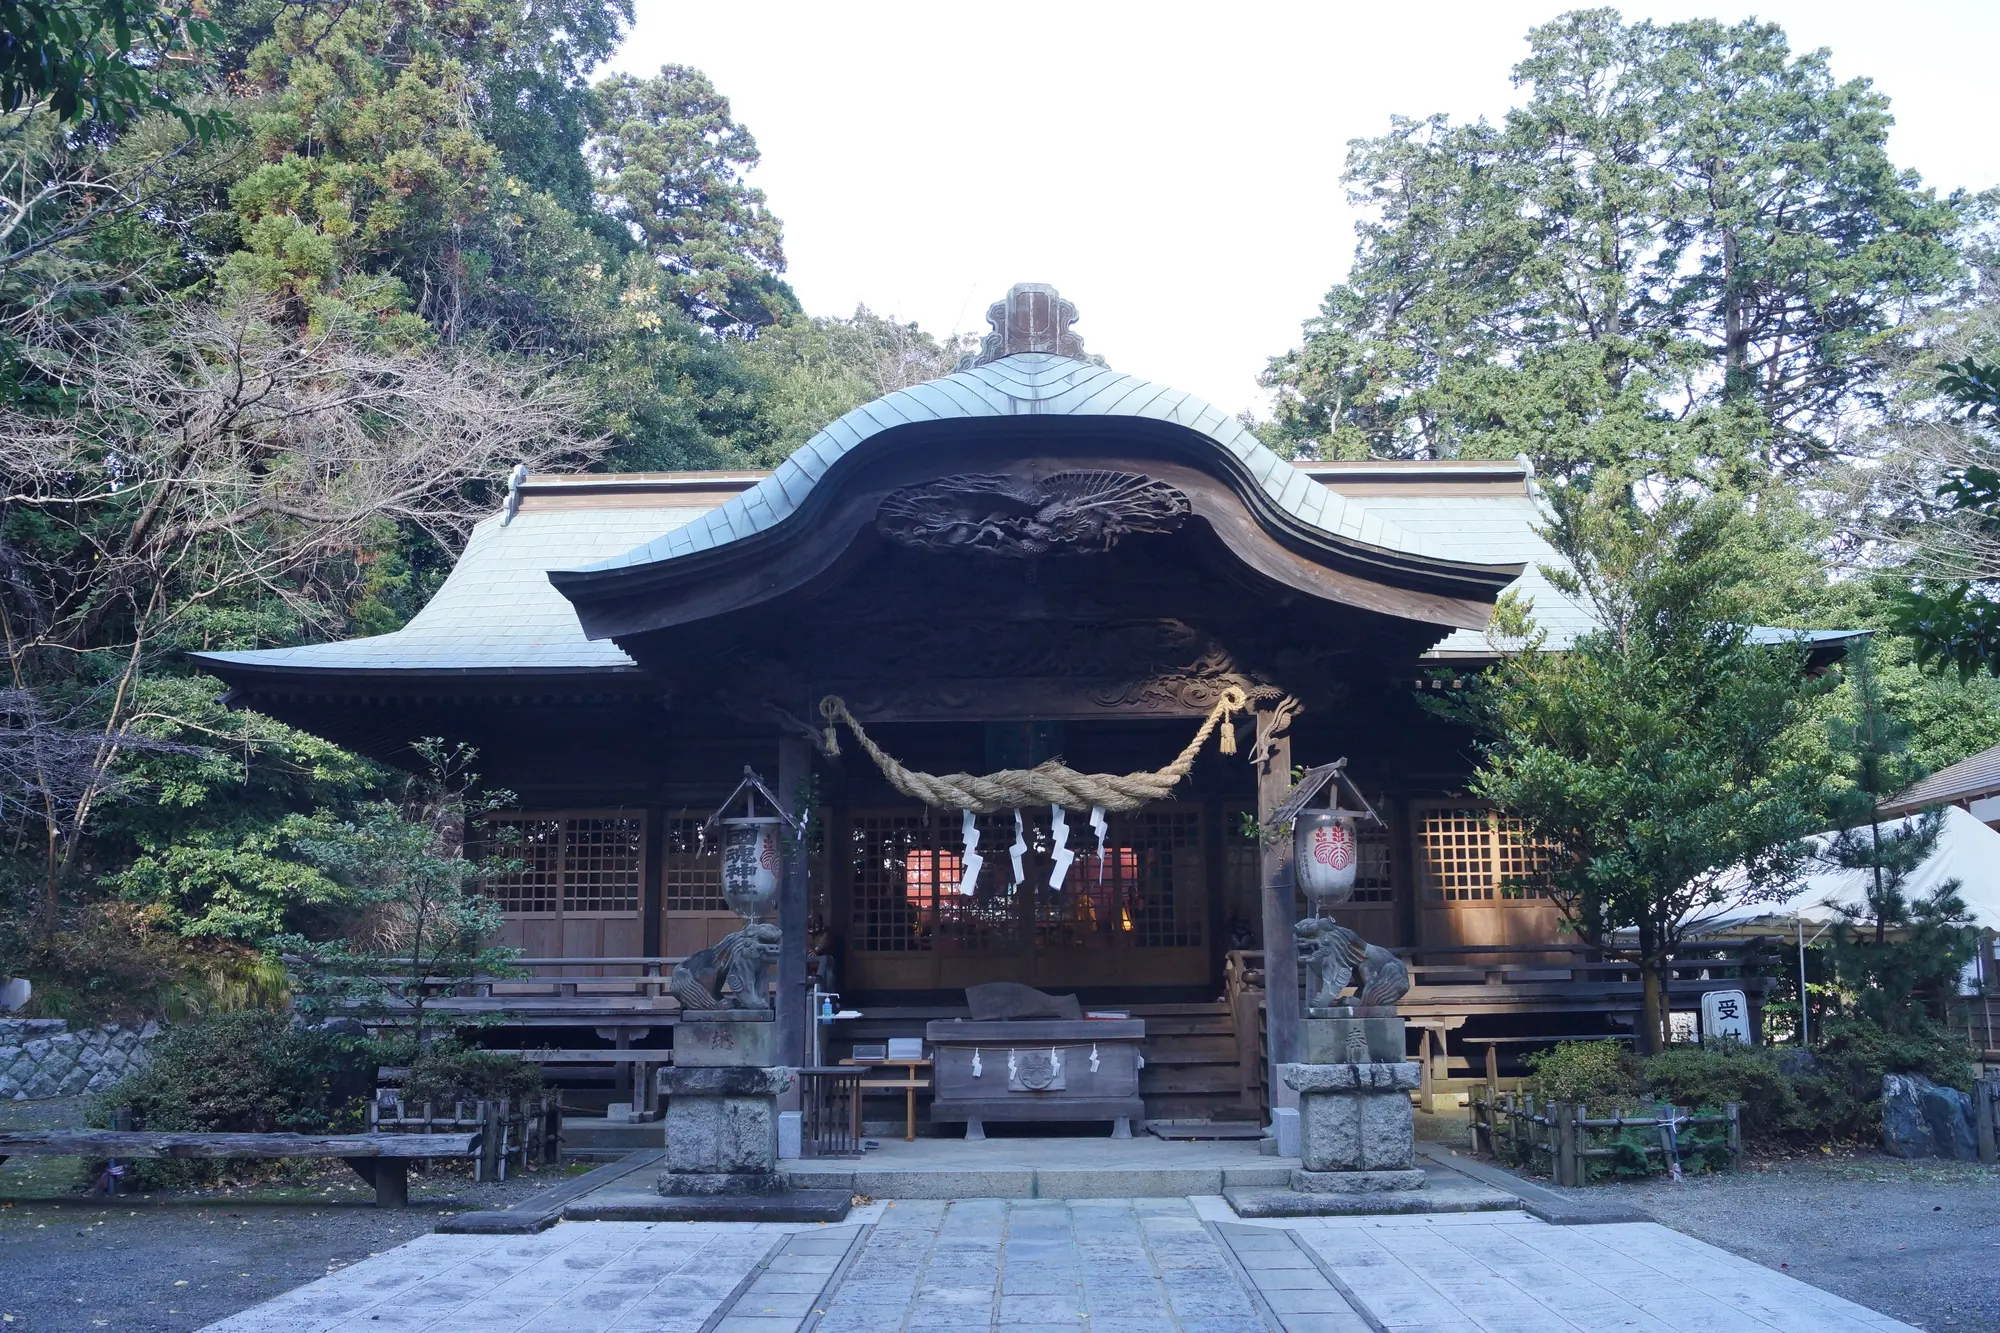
(652, 904)
(794, 772)
(1281, 963)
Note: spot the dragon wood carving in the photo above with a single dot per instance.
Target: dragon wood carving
(1013, 516)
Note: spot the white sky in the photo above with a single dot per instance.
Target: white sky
(1175, 168)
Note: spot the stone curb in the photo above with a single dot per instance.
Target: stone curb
(547, 1210)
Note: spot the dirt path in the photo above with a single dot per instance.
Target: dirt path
(162, 1266)
(1916, 1240)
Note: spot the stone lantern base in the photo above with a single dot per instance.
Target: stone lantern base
(722, 1128)
(1357, 1132)
(1358, 1149)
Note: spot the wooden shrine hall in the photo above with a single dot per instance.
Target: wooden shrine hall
(1035, 557)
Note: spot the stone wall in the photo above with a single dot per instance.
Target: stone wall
(41, 1057)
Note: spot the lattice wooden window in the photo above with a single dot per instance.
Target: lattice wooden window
(1374, 877)
(1474, 853)
(987, 919)
(576, 864)
(1157, 907)
(889, 912)
(907, 891)
(1524, 860)
(601, 864)
(691, 880)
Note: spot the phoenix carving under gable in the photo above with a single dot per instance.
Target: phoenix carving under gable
(1013, 516)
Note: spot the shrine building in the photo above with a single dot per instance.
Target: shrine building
(1035, 557)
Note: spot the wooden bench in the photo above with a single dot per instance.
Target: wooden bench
(383, 1160)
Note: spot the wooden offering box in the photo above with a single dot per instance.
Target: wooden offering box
(1036, 1069)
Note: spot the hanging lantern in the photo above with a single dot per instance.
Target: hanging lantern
(750, 862)
(753, 855)
(1326, 855)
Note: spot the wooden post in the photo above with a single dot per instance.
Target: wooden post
(1281, 959)
(491, 1140)
(794, 772)
(1983, 1093)
(1426, 1095)
(392, 1182)
(552, 1131)
(1492, 1072)
(1734, 1113)
(1563, 1118)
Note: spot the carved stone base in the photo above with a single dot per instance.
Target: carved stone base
(1355, 1117)
(697, 1184)
(722, 1127)
(1356, 1182)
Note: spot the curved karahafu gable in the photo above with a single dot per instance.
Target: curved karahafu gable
(1028, 413)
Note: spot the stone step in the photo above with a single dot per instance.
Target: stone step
(1443, 1192)
(1022, 1182)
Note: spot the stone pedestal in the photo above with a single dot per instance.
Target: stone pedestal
(1352, 1035)
(722, 1115)
(722, 1130)
(722, 1040)
(1357, 1131)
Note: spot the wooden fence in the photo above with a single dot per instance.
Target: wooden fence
(1563, 1139)
(1986, 1117)
(527, 1131)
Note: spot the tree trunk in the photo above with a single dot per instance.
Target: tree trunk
(1652, 996)
(1650, 1009)
(1735, 338)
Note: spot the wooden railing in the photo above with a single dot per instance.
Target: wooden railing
(1451, 983)
(1562, 1138)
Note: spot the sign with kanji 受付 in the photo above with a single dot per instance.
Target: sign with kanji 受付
(1725, 1016)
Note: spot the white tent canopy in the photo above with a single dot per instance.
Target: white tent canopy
(1967, 851)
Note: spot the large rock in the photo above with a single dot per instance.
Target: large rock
(1921, 1119)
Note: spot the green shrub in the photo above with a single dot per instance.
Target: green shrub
(1594, 1073)
(445, 1072)
(250, 1072)
(1703, 1078)
(1854, 1054)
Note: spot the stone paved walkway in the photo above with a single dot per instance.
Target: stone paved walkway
(1065, 1266)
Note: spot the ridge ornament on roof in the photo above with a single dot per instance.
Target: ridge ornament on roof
(1031, 318)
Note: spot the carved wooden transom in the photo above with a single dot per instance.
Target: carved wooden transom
(1013, 516)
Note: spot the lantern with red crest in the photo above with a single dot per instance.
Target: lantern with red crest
(1326, 842)
(1326, 855)
(752, 848)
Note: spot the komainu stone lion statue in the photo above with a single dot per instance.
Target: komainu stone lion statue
(1333, 955)
(732, 973)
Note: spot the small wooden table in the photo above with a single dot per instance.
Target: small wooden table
(909, 1083)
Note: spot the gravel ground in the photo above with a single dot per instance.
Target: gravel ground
(1916, 1240)
(165, 1265)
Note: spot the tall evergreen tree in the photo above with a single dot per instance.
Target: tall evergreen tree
(1684, 245)
(1892, 952)
(1650, 751)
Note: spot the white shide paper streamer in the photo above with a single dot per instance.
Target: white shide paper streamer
(973, 860)
(1059, 828)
